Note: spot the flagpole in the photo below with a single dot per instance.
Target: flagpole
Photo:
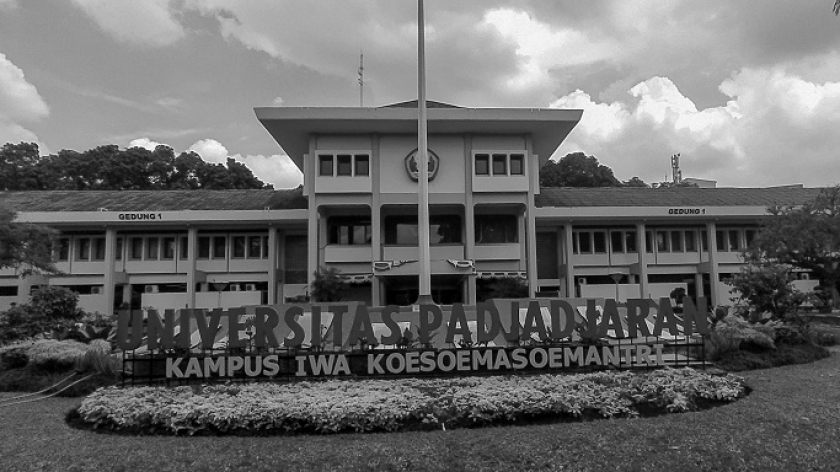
(425, 294)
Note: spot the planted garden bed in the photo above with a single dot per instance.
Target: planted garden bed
(392, 405)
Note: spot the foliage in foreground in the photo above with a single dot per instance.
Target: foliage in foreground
(389, 405)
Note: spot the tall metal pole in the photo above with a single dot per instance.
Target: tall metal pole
(425, 295)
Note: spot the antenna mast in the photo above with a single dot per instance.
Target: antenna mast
(361, 79)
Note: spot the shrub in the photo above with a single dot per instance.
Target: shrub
(55, 356)
(768, 288)
(501, 287)
(329, 285)
(733, 333)
(50, 308)
(388, 405)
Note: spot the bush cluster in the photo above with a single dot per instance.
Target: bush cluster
(50, 309)
(389, 405)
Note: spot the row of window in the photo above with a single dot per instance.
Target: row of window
(403, 229)
(665, 241)
(345, 165)
(499, 164)
(154, 248)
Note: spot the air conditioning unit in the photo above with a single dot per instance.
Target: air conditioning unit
(581, 280)
(804, 276)
(235, 287)
(96, 290)
(152, 289)
(251, 287)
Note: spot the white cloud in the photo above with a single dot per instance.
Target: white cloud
(147, 22)
(145, 143)
(279, 102)
(19, 102)
(210, 150)
(277, 169)
(542, 47)
(777, 128)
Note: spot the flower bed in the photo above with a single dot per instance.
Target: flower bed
(390, 405)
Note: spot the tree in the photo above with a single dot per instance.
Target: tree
(836, 7)
(111, 168)
(767, 287)
(329, 285)
(577, 170)
(806, 236)
(636, 182)
(24, 245)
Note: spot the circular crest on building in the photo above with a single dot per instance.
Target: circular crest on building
(414, 171)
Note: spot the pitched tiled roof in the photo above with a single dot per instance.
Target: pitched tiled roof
(161, 200)
(683, 196)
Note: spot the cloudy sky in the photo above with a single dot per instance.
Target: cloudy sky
(748, 92)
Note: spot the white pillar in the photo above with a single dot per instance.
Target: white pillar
(272, 265)
(568, 255)
(641, 240)
(711, 238)
(110, 273)
(192, 255)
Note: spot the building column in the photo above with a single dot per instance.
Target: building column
(567, 256)
(711, 239)
(192, 255)
(110, 272)
(531, 235)
(641, 238)
(698, 283)
(272, 265)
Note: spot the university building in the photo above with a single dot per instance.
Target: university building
(357, 212)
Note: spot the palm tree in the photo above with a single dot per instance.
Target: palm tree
(836, 7)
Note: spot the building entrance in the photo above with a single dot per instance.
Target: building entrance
(403, 290)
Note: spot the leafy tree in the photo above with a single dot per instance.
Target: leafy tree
(111, 168)
(329, 285)
(806, 236)
(767, 287)
(636, 182)
(577, 170)
(502, 287)
(24, 245)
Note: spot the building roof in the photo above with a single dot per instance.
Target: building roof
(414, 104)
(672, 197)
(292, 127)
(148, 200)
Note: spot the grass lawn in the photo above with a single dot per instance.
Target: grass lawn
(790, 422)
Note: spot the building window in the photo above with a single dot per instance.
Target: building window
(676, 241)
(616, 241)
(184, 249)
(630, 241)
(349, 230)
(499, 164)
(152, 249)
(517, 164)
(649, 242)
(168, 248)
(402, 229)
(496, 229)
(204, 247)
(238, 247)
(63, 249)
(119, 249)
(83, 249)
(255, 247)
(482, 164)
(599, 242)
(325, 166)
(362, 164)
(734, 240)
(136, 251)
(583, 240)
(345, 165)
(662, 242)
(99, 249)
(749, 236)
(219, 247)
(690, 241)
